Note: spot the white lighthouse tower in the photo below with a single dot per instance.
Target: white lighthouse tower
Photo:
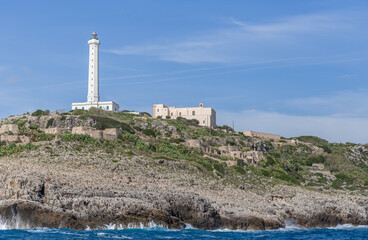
(93, 93)
(93, 96)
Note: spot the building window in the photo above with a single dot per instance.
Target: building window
(180, 114)
(76, 108)
(171, 114)
(158, 110)
(193, 112)
(82, 108)
(107, 107)
(204, 121)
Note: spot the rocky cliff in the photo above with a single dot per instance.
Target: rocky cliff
(78, 182)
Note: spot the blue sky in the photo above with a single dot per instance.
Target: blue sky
(287, 67)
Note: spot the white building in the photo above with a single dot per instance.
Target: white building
(93, 97)
(205, 116)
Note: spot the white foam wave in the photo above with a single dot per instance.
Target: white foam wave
(39, 230)
(229, 230)
(348, 226)
(189, 226)
(112, 226)
(3, 225)
(290, 224)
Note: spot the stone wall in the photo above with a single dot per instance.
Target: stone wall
(55, 130)
(262, 135)
(109, 133)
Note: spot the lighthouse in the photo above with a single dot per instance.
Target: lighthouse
(93, 95)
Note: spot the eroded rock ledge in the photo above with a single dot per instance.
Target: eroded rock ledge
(78, 189)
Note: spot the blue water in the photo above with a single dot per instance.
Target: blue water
(343, 232)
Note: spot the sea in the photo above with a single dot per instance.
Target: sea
(290, 232)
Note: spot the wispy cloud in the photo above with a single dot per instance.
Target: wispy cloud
(332, 128)
(249, 42)
(26, 69)
(298, 24)
(12, 79)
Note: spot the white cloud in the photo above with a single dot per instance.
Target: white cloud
(334, 129)
(344, 104)
(250, 42)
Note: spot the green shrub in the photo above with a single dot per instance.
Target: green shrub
(315, 159)
(174, 151)
(325, 148)
(33, 126)
(205, 163)
(270, 161)
(312, 139)
(133, 139)
(20, 122)
(145, 114)
(6, 150)
(287, 177)
(345, 177)
(240, 163)
(50, 122)
(193, 122)
(149, 132)
(137, 128)
(337, 184)
(227, 128)
(220, 167)
(168, 117)
(79, 112)
(176, 140)
(105, 122)
(83, 138)
(266, 172)
(312, 184)
(39, 112)
(240, 169)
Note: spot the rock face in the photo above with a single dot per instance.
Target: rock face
(6, 128)
(55, 186)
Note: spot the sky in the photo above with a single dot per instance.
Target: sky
(286, 67)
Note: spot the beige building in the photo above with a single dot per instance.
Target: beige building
(205, 115)
(262, 135)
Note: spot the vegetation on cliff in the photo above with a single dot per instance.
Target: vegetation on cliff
(311, 162)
